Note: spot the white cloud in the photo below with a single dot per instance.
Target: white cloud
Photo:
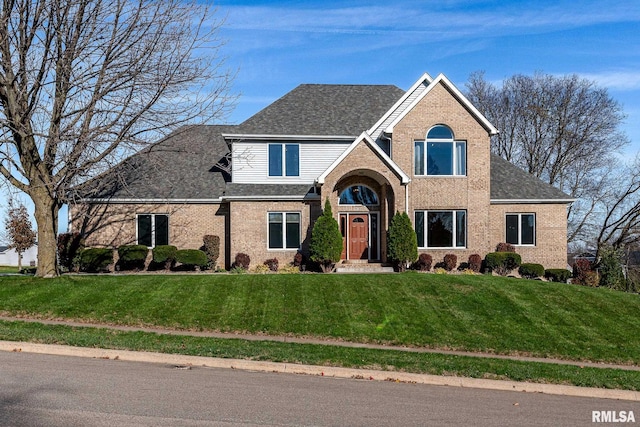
(616, 80)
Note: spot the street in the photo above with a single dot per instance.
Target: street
(43, 390)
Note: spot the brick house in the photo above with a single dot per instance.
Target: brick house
(372, 150)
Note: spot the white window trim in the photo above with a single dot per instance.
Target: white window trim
(284, 231)
(153, 228)
(284, 160)
(454, 233)
(535, 228)
(453, 142)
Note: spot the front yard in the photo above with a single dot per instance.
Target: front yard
(464, 312)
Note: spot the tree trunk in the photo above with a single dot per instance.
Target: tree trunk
(46, 214)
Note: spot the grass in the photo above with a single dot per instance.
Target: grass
(8, 269)
(324, 355)
(475, 313)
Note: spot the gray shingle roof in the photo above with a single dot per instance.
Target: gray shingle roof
(509, 182)
(180, 166)
(313, 109)
(269, 190)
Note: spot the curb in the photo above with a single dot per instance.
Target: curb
(325, 371)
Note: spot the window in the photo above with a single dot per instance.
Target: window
(521, 229)
(284, 159)
(284, 230)
(440, 154)
(441, 229)
(359, 195)
(153, 230)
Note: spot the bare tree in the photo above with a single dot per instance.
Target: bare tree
(82, 82)
(19, 231)
(564, 130)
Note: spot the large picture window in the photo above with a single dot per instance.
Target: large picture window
(284, 160)
(284, 230)
(521, 229)
(441, 229)
(153, 229)
(440, 154)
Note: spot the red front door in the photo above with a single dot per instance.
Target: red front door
(358, 236)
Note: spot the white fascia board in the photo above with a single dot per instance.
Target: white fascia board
(300, 138)
(425, 77)
(270, 198)
(530, 201)
(143, 201)
(365, 137)
(457, 94)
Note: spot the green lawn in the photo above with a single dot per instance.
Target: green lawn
(8, 269)
(478, 313)
(323, 355)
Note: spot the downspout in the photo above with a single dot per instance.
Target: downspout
(406, 198)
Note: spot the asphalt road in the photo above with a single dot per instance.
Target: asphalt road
(43, 390)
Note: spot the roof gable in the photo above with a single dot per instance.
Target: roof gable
(443, 80)
(364, 137)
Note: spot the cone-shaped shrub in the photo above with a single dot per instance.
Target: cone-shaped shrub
(402, 242)
(326, 240)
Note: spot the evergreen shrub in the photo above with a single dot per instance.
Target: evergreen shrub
(164, 256)
(95, 260)
(191, 259)
(502, 263)
(531, 271)
(132, 257)
(402, 242)
(560, 275)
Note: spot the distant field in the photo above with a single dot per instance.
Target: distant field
(476, 313)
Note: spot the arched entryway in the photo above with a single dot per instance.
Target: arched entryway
(360, 209)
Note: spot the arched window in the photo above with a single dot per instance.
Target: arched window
(359, 195)
(440, 154)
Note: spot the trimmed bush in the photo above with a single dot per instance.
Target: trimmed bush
(242, 261)
(132, 257)
(69, 245)
(450, 262)
(211, 247)
(424, 263)
(191, 258)
(505, 247)
(502, 263)
(402, 242)
(475, 263)
(272, 264)
(326, 240)
(164, 256)
(531, 271)
(95, 260)
(560, 275)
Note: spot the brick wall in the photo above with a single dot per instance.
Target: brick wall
(249, 222)
(470, 192)
(550, 249)
(112, 225)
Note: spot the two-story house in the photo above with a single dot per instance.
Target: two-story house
(372, 150)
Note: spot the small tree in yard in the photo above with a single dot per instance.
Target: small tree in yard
(19, 232)
(402, 243)
(326, 240)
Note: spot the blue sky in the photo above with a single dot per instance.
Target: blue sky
(277, 45)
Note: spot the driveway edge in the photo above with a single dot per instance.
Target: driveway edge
(325, 371)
